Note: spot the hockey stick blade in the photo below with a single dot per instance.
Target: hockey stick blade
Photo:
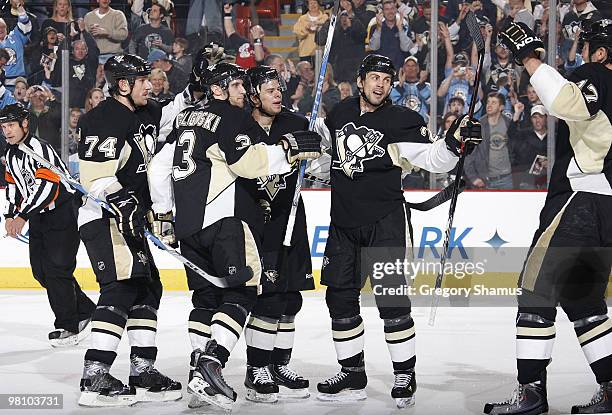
(313, 119)
(474, 29)
(219, 282)
(441, 197)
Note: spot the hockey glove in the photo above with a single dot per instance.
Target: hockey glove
(463, 133)
(130, 218)
(162, 226)
(522, 42)
(301, 145)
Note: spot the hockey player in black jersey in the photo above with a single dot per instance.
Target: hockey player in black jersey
(270, 329)
(372, 142)
(207, 169)
(36, 195)
(571, 253)
(117, 141)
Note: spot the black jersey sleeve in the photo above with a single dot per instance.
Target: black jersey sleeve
(592, 86)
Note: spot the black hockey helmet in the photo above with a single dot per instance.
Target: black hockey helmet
(599, 34)
(376, 63)
(208, 55)
(127, 67)
(14, 112)
(259, 75)
(221, 74)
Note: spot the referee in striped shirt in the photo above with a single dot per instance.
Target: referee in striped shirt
(36, 194)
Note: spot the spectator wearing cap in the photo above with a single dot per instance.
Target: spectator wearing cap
(411, 90)
(490, 165)
(109, 28)
(21, 87)
(13, 42)
(249, 52)
(348, 51)
(307, 27)
(459, 76)
(390, 36)
(153, 35)
(179, 54)
(176, 77)
(530, 170)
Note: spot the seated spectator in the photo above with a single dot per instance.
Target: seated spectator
(286, 72)
(14, 43)
(490, 165)
(411, 90)
(346, 90)
(153, 35)
(306, 84)
(347, 51)
(532, 160)
(21, 87)
(45, 116)
(93, 98)
(330, 94)
(249, 52)
(306, 28)
(179, 56)
(390, 35)
(109, 28)
(160, 88)
(176, 77)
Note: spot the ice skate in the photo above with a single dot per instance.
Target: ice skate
(260, 386)
(348, 385)
(100, 389)
(65, 338)
(290, 384)
(601, 403)
(149, 384)
(404, 388)
(527, 399)
(207, 382)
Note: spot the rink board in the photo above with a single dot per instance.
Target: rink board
(482, 219)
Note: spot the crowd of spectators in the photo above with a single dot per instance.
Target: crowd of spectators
(34, 34)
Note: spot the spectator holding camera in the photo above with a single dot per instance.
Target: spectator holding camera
(411, 90)
(14, 43)
(307, 27)
(249, 52)
(153, 35)
(390, 36)
(45, 115)
(348, 51)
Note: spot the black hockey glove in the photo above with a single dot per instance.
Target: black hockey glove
(130, 218)
(463, 130)
(301, 145)
(162, 226)
(522, 42)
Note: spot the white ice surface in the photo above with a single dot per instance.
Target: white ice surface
(464, 361)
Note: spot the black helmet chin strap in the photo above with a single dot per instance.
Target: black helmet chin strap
(363, 95)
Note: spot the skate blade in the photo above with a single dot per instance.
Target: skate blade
(288, 394)
(94, 399)
(71, 340)
(195, 402)
(346, 395)
(404, 402)
(253, 396)
(144, 395)
(196, 387)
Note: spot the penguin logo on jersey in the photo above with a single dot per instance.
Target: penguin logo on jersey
(354, 146)
(12, 56)
(273, 184)
(146, 140)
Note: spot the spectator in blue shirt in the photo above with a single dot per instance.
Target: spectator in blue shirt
(412, 90)
(14, 43)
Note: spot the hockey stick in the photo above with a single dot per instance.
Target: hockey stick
(441, 197)
(313, 120)
(219, 282)
(20, 238)
(474, 29)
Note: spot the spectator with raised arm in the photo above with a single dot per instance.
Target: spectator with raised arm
(390, 36)
(307, 27)
(14, 43)
(153, 35)
(412, 89)
(249, 52)
(45, 116)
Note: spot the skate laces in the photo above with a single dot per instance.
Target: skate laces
(262, 375)
(338, 377)
(597, 397)
(402, 380)
(288, 373)
(516, 395)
